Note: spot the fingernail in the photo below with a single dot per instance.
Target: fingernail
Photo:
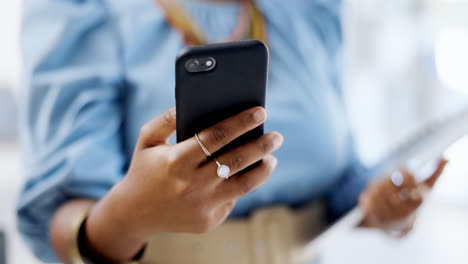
(259, 115)
(277, 141)
(397, 178)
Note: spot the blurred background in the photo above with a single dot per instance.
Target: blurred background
(406, 66)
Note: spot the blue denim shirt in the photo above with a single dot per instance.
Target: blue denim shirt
(97, 70)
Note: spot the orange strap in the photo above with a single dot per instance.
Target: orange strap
(251, 24)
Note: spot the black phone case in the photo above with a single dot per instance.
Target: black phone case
(238, 82)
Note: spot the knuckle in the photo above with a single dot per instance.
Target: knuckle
(145, 131)
(218, 135)
(168, 117)
(174, 159)
(230, 205)
(237, 161)
(271, 165)
(266, 145)
(249, 119)
(267, 168)
(189, 191)
(225, 212)
(205, 223)
(245, 187)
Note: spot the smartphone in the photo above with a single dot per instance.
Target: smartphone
(217, 81)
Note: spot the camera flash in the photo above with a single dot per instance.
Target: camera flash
(209, 63)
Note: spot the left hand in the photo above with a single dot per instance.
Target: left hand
(390, 205)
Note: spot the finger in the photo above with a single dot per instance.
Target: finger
(386, 212)
(404, 199)
(246, 155)
(363, 201)
(409, 180)
(219, 135)
(365, 198)
(383, 197)
(158, 130)
(410, 186)
(224, 211)
(398, 186)
(380, 205)
(408, 227)
(435, 176)
(369, 206)
(403, 208)
(238, 186)
(374, 214)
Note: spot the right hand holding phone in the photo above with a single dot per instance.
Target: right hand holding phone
(173, 188)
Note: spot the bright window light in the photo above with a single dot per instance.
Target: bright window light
(452, 58)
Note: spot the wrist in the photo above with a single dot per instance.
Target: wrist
(110, 229)
(88, 255)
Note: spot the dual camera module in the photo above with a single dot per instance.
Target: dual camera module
(200, 64)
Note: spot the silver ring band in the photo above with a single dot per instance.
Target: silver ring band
(207, 153)
(223, 171)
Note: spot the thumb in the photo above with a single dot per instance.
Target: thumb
(158, 130)
(435, 176)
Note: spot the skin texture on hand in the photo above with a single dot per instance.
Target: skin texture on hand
(173, 188)
(391, 207)
(62, 223)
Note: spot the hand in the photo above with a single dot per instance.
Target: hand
(172, 188)
(390, 203)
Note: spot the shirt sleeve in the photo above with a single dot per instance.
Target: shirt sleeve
(71, 111)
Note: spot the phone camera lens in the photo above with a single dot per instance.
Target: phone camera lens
(192, 65)
(200, 65)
